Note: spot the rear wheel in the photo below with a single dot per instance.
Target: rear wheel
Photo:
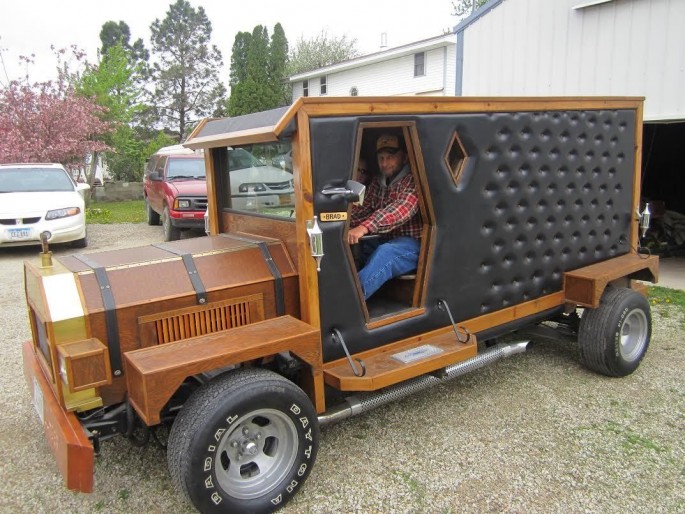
(152, 216)
(245, 442)
(171, 233)
(614, 337)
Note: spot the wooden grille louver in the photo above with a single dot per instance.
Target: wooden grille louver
(201, 320)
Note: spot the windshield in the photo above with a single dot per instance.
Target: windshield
(32, 180)
(186, 168)
(239, 159)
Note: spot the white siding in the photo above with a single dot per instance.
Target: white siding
(450, 72)
(545, 47)
(392, 77)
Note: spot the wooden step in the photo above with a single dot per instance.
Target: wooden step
(400, 361)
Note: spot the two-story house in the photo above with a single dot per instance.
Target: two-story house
(421, 68)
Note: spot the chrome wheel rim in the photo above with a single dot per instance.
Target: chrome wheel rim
(633, 334)
(256, 453)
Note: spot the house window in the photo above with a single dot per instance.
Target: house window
(419, 64)
(323, 86)
(305, 88)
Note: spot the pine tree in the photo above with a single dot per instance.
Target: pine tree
(258, 71)
(278, 62)
(185, 73)
(239, 58)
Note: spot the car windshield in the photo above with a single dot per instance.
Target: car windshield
(186, 168)
(33, 180)
(240, 159)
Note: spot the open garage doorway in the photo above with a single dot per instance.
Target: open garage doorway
(663, 185)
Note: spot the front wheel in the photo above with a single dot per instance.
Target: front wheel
(613, 338)
(171, 233)
(80, 243)
(152, 216)
(245, 442)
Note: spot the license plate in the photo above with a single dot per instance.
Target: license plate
(285, 199)
(38, 401)
(415, 354)
(17, 234)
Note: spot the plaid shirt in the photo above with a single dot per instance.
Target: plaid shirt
(390, 210)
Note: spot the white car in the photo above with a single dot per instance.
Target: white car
(37, 199)
(255, 186)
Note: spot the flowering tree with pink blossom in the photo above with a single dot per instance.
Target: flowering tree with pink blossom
(47, 122)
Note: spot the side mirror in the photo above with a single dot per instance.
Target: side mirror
(352, 192)
(155, 176)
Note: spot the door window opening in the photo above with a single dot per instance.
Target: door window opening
(404, 292)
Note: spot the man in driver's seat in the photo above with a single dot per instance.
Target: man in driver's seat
(391, 211)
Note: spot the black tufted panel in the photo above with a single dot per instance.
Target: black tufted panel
(541, 193)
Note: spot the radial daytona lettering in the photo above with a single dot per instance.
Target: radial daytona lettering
(218, 434)
(292, 486)
(619, 329)
(295, 409)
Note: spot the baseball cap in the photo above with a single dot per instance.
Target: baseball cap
(388, 143)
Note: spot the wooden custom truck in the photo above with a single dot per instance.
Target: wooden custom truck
(244, 342)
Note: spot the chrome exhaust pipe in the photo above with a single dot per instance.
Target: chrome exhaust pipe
(354, 405)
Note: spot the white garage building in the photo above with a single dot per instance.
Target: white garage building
(588, 47)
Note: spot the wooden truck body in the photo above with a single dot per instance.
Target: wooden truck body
(530, 210)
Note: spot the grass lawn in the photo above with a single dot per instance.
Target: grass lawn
(132, 211)
(665, 296)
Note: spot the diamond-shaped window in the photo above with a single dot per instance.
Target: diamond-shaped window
(456, 158)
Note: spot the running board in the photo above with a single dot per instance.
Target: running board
(398, 362)
(354, 405)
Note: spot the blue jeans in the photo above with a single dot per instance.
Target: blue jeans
(387, 259)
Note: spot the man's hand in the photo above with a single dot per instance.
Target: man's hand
(355, 233)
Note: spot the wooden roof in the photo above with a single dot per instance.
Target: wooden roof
(275, 124)
(251, 128)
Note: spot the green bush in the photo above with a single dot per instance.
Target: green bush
(98, 215)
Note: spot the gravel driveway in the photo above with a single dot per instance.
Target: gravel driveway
(533, 433)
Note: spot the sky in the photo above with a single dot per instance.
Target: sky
(31, 26)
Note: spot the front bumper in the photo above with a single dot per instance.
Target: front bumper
(187, 219)
(62, 230)
(66, 437)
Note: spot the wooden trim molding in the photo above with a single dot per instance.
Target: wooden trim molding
(585, 286)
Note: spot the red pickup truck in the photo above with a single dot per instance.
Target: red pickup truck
(175, 190)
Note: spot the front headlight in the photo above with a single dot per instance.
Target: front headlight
(182, 204)
(248, 187)
(62, 213)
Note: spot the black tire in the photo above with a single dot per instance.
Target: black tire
(152, 216)
(80, 243)
(613, 338)
(245, 442)
(171, 233)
